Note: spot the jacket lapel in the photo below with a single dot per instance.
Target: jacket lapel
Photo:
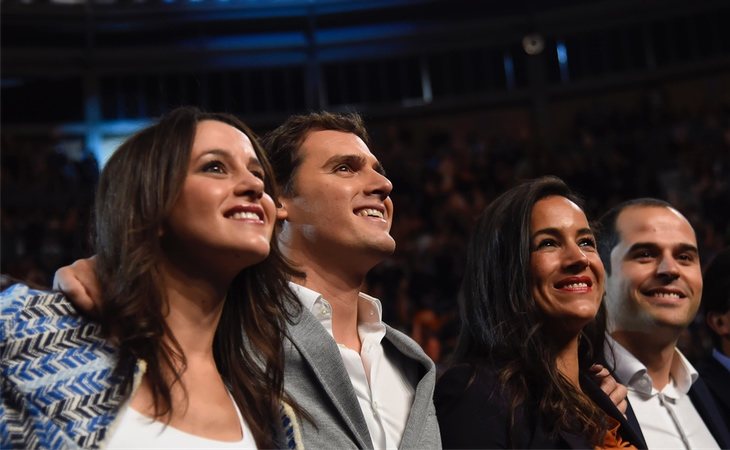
(423, 397)
(323, 357)
(629, 428)
(705, 405)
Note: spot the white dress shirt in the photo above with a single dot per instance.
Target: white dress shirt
(381, 384)
(668, 419)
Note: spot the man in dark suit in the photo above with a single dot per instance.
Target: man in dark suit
(653, 291)
(715, 369)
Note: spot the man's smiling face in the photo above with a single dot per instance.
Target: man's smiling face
(340, 201)
(656, 279)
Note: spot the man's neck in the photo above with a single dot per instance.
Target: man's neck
(656, 354)
(342, 293)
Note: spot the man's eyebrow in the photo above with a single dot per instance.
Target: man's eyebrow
(687, 248)
(643, 246)
(353, 160)
(683, 247)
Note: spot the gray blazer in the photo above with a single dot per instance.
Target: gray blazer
(316, 378)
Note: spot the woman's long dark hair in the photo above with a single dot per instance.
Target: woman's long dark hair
(137, 189)
(502, 324)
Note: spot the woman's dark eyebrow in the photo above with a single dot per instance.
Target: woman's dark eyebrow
(556, 232)
(225, 154)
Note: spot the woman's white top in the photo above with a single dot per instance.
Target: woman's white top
(135, 430)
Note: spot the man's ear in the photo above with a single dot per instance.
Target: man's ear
(281, 212)
(719, 323)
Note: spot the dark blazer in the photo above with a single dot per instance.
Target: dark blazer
(708, 409)
(316, 378)
(717, 379)
(473, 413)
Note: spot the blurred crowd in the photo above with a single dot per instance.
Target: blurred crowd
(443, 178)
(47, 196)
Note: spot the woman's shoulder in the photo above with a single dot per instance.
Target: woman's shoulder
(471, 407)
(42, 331)
(22, 300)
(57, 368)
(468, 377)
(470, 387)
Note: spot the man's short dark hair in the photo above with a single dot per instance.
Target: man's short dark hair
(607, 234)
(283, 143)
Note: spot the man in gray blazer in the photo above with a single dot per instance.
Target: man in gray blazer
(363, 384)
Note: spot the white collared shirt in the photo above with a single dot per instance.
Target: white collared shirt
(381, 384)
(668, 419)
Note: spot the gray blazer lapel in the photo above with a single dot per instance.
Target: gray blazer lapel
(423, 399)
(321, 353)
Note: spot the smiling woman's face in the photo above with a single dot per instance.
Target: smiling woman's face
(567, 276)
(222, 218)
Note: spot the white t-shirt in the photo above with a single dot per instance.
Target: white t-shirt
(137, 431)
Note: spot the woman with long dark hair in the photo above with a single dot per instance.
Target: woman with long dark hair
(187, 349)
(532, 327)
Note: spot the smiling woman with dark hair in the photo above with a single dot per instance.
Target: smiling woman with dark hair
(188, 347)
(533, 285)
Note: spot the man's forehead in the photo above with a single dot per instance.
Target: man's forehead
(657, 224)
(322, 145)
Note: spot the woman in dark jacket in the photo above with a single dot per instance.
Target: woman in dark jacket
(532, 329)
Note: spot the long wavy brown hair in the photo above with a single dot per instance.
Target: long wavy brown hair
(503, 327)
(137, 189)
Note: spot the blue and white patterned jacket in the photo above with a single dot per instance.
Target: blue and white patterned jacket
(59, 389)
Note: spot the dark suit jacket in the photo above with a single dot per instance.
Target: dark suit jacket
(709, 411)
(473, 413)
(717, 380)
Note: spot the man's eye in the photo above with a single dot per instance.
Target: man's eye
(686, 257)
(258, 174)
(343, 168)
